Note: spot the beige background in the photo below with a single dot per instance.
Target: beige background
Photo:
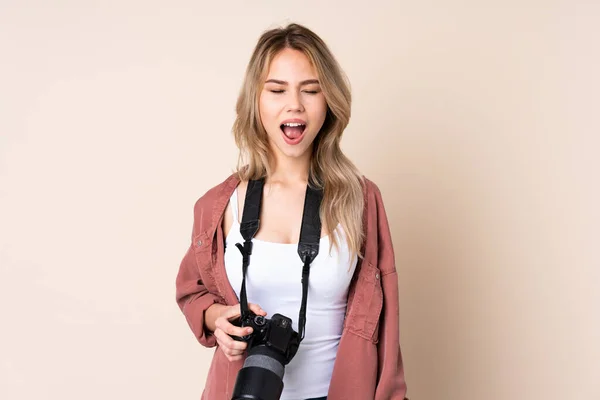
(479, 121)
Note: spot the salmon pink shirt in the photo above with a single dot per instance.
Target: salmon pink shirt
(368, 365)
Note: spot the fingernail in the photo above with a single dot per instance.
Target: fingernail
(249, 330)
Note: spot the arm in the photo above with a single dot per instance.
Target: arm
(391, 384)
(194, 299)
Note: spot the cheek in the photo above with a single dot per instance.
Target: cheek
(267, 109)
(268, 117)
(261, 109)
(319, 109)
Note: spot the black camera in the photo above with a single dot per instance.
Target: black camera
(271, 345)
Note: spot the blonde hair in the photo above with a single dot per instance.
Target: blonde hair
(330, 169)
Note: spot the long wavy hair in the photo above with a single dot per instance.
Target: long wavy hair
(330, 169)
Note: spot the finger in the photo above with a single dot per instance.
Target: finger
(232, 352)
(232, 355)
(256, 309)
(228, 342)
(233, 358)
(230, 329)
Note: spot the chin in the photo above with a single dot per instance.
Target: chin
(294, 153)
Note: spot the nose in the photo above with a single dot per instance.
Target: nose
(294, 102)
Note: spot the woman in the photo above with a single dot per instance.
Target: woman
(292, 110)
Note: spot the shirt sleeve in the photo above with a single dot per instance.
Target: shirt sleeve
(391, 384)
(193, 298)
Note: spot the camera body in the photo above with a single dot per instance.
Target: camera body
(276, 334)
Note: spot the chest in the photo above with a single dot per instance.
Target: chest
(276, 268)
(280, 215)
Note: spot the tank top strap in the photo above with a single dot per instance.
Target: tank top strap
(234, 205)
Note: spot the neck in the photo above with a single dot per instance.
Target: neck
(290, 170)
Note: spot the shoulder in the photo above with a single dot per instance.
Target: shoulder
(214, 195)
(374, 209)
(378, 247)
(371, 191)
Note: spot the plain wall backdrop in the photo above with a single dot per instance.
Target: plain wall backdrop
(479, 121)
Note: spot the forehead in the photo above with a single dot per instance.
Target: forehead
(291, 65)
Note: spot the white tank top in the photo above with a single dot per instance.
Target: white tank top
(273, 281)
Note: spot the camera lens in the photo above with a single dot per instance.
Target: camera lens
(261, 377)
(274, 345)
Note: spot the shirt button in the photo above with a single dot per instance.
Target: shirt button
(199, 243)
(376, 276)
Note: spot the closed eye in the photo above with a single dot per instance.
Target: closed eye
(305, 91)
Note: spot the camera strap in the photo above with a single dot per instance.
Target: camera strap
(308, 245)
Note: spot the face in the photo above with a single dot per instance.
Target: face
(292, 106)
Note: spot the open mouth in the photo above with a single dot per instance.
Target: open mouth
(293, 130)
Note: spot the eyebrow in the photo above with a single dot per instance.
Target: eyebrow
(305, 82)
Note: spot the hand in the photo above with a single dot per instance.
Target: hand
(233, 349)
